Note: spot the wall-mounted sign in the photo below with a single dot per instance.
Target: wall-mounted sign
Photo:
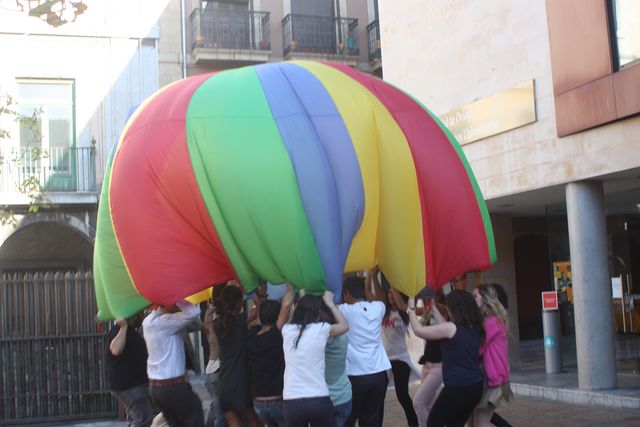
(616, 287)
(492, 115)
(562, 280)
(549, 301)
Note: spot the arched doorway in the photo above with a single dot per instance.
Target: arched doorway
(46, 245)
(51, 347)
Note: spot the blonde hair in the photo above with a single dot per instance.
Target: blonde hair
(492, 305)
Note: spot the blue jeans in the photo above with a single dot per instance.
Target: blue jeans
(137, 404)
(215, 418)
(341, 414)
(270, 413)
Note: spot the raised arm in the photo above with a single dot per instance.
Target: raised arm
(212, 338)
(208, 318)
(120, 340)
(195, 326)
(258, 297)
(285, 307)
(435, 332)
(341, 326)
(402, 306)
(372, 279)
(175, 322)
(436, 313)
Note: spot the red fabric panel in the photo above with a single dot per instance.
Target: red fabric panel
(454, 235)
(163, 227)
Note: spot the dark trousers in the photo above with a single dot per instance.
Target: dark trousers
(137, 404)
(180, 406)
(498, 421)
(368, 393)
(454, 405)
(313, 411)
(401, 372)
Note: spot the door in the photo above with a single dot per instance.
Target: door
(314, 25)
(52, 351)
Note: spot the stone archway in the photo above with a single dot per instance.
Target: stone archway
(48, 241)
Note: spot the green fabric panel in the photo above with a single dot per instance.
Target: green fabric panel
(101, 298)
(248, 183)
(115, 293)
(486, 219)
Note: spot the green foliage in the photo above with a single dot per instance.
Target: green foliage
(53, 12)
(30, 184)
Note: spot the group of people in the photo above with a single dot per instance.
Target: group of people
(305, 361)
(470, 328)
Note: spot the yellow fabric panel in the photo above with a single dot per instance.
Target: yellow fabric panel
(201, 296)
(351, 100)
(392, 221)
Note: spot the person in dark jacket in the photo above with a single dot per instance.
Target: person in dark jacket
(127, 370)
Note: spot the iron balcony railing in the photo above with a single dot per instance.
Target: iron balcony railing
(54, 169)
(320, 35)
(373, 32)
(229, 29)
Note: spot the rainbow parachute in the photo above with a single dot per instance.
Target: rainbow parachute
(295, 171)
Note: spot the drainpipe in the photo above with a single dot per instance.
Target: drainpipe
(183, 31)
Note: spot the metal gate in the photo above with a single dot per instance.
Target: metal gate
(52, 351)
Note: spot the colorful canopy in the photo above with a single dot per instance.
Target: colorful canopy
(295, 171)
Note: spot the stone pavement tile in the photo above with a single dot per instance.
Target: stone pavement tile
(564, 387)
(523, 412)
(527, 412)
(96, 423)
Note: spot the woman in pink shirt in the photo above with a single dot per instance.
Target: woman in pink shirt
(495, 354)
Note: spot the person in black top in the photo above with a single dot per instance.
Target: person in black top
(431, 361)
(462, 376)
(266, 360)
(230, 326)
(127, 370)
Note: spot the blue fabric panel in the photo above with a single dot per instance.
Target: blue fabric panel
(323, 159)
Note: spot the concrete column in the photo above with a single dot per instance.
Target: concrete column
(504, 272)
(591, 286)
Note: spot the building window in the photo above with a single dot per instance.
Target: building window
(624, 17)
(46, 124)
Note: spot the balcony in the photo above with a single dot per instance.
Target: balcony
(375, 53)
(59, 170)
(319, 37)
(228, 35)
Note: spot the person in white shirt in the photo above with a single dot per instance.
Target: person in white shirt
(367, 362)
(306, 394)
(394, 339)
(168, 387)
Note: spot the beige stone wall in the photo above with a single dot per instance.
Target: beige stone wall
(450, 53)
(358, 9)
(169, 44)
(276, 10)
(110, 56)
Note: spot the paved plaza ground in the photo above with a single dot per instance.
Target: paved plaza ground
(529, 381)
(523, 412)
